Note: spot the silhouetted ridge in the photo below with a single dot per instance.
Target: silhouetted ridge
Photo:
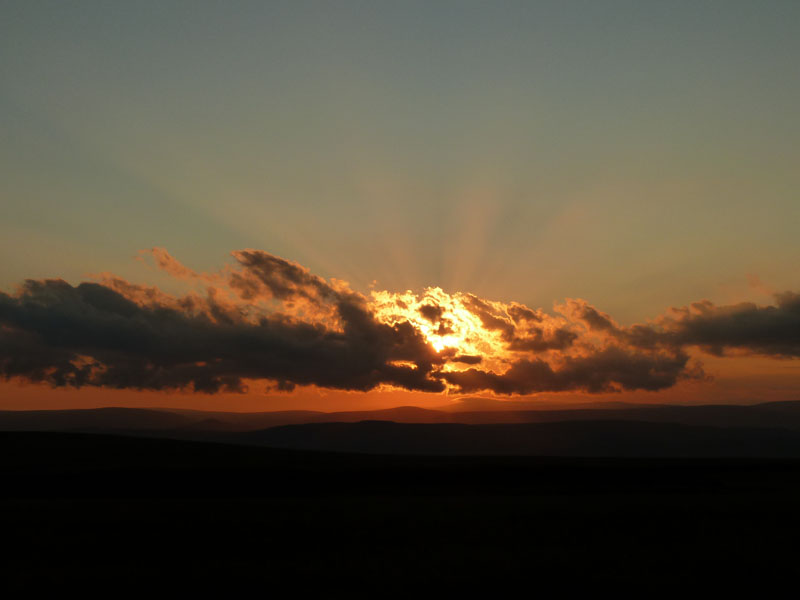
(576, 438)
(769, 429)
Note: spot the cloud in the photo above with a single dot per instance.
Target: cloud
(582, 311)
(745, 327)
(166, 262)
(91, 334)
(272, 320)
(266, 275)
(606, 370)
(766, 330)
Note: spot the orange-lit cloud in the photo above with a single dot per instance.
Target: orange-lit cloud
(272, 320)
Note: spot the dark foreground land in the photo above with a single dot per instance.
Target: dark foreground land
(120, 514)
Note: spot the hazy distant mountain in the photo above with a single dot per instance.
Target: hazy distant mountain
(481, 404)
(575, 438)
(785, 415)
(90, 419)
(770, 429)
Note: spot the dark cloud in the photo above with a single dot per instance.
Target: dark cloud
(514, 323)
(745, 327)
(594, 319)
(609, 369)
(273, 320)
(431, 312)
(519, 313)
(489, 317)
(467, 359)
(767, 330)
(536, 340)
(265, 274)
(92, 335)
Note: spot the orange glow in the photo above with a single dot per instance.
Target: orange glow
(446, 322)
(426, 342)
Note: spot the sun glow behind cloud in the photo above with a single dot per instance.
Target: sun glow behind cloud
(445, 322)
(267, 319)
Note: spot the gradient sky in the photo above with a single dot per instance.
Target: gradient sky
(640, 155)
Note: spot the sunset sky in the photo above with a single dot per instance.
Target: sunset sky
(340, 205)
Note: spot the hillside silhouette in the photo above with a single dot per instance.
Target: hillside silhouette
(95, 511)
(563, 438)
(762, 430)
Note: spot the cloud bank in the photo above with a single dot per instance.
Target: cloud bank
(269, 319)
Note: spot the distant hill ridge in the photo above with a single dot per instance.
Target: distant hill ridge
(770, 414)
(762, 430)
(607, 438)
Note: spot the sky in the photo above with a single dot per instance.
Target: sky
(639, 156)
